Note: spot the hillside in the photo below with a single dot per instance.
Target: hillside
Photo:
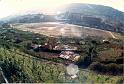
(28, 18)
(101, 17)
(23, 64)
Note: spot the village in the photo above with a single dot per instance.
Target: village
(69, 49)
(65, 48)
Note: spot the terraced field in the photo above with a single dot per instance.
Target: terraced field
(63, 29)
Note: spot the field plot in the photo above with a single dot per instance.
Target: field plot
(63, 29)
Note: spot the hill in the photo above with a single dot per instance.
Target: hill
(89, 15)
(28, 18)
(98, 16)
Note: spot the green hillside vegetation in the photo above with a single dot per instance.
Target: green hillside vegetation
(25, 68)
(20, 64)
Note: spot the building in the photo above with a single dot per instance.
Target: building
(69, 55)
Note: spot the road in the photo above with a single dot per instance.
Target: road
(113, 36)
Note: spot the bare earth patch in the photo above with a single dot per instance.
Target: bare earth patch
(63, 29)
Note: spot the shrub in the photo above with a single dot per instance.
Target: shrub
(121, 81)
(110, 69)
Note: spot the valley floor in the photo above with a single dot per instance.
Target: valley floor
(56, 29)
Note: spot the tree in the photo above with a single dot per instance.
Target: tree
(5, 25)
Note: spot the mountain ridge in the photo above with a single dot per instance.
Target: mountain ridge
(91, 15)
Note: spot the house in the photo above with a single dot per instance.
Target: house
(66, 54)
(73, 76)
(67, 47)
(69, 55)
(34, 46)
(105, 41)
(57, 47)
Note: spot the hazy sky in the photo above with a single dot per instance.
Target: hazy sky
(9, 7)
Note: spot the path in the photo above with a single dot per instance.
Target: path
(113, 36)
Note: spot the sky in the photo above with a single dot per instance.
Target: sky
(11, 7)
